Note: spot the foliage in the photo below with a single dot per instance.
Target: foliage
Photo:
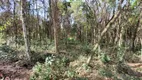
(105, 72)
(86, 48)
(71, 74)
(7, 53)
(4, 26)
(86, 67)
(105, 58)
(121, 53)
(53, 68)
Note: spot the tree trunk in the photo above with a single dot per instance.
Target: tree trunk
(25, 31)
(54, 8)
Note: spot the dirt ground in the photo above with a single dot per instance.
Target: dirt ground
(10, 71)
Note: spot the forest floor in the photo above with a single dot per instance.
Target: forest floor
(10, 71)
(13, 70)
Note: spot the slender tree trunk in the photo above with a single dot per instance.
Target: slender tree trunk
(50, 21)
(14, 23)
(120, 42)
(55, 22)
(25, 31)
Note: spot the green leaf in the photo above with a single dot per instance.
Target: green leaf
(105, 58)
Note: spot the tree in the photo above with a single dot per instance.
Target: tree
(55, 13)
(22, 17)
(107, 26)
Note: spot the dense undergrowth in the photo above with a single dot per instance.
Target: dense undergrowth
(72, 64)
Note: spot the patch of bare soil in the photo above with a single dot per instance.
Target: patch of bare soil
(10, 71)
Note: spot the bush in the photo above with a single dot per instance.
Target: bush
(54, 68)
(7, 53)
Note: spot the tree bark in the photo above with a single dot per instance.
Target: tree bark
(55, 12)
(27, 47)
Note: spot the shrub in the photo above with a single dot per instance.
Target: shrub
(54, 68)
